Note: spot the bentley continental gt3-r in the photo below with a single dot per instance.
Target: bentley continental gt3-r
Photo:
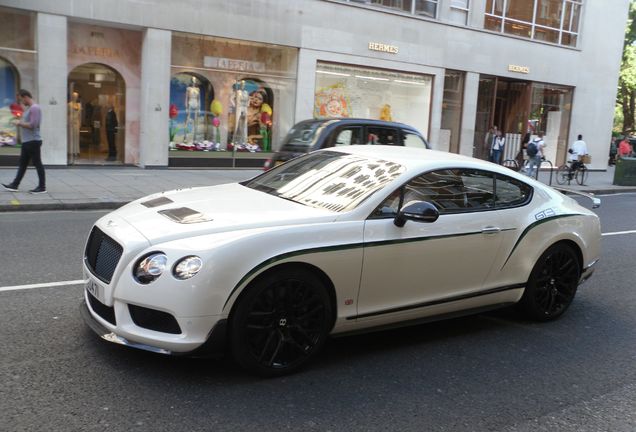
(335, 241)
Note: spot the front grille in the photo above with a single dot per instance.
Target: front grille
(106, 312)
(102, 254)
(152, 319)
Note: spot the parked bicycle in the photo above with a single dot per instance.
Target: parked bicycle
(574, 170)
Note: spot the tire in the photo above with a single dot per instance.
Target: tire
(552, 284)
(562, 174)
(280, 322)
(581, 175)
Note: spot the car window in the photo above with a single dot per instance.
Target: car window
(411, 139)
(511, 192)
(302, 136)
(458, 191)
(381, 135)
(348, 136)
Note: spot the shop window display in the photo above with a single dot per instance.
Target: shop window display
(10, 110)
(348, 91)
(246, 95)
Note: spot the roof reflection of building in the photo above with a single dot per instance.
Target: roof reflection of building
(342, 183)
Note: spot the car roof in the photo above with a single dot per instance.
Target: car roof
(417, 159)
(360, 121)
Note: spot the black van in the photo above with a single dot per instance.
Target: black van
(309, 135)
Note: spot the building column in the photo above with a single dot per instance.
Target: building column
(52, 79)
(476, 14)
(469, 114)
(155, 98)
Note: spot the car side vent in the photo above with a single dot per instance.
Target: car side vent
(157, 202)
(154, 320)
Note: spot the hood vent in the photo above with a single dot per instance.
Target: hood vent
(184, 215)
(157, 202)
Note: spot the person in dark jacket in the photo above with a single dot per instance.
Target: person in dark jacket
(111, 130)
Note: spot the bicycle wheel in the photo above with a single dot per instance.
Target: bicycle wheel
(581, 175)
(562, 174)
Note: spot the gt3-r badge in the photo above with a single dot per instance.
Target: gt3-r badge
(545, 214)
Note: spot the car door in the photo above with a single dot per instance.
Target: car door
(422, 264)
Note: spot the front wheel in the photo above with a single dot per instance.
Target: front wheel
(562, 175)
(552, 284)
(280, 323)
(581, 175)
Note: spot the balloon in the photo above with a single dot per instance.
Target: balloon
(266, 109)
(216, 122)
(173, 112)
(216, 108)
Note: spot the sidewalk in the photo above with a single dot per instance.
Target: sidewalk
(85, 188)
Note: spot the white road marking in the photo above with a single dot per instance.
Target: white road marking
(42, 285)
(619, 233)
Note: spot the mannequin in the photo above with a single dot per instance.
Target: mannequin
(192, 104)
(74, 122)
(241, 100)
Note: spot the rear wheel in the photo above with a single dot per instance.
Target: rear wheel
(562, 174)
(581, 175)
(552, 284)
(280, 323)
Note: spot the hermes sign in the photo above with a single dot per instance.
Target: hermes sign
(375, 46)
(519, 69)
(95, 51)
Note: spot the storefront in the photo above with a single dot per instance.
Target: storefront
(518, 107)
(103, 89)
(230, 101)
(354, 91)
(17, 70)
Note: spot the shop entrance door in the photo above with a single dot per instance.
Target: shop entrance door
(96, 115)
(504, 103)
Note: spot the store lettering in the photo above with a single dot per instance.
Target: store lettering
(375, 46)
(96, 52)
(520, 69)
(233, 64)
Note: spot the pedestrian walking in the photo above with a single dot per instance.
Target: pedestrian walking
(31, 143)
(534, 150)
(613, 151)
(111, 130)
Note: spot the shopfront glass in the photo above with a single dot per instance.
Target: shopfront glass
(452, 110)
(352, 91)
(228, 98)
(17, 70)
(550, 114)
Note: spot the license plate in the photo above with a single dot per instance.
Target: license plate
(93, 288)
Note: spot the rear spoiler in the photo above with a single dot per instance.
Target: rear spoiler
(596, 202)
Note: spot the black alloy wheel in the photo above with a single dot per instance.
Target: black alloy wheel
(552, 284)
(280, 323)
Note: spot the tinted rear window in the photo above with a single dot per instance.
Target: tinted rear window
(302, 137)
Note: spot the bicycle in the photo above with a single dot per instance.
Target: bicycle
(568, 172)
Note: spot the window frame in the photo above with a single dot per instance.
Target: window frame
(377, 212)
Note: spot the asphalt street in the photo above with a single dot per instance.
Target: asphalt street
(490, 372)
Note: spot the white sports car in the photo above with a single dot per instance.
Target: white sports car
(335, 241)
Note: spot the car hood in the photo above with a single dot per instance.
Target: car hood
(189, 212)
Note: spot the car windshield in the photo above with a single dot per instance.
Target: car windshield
(330, 180)
(302, 136)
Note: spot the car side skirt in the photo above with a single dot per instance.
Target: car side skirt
(439, 301)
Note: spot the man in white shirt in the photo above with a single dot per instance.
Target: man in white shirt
(578, 148)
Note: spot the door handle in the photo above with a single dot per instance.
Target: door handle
(489, 230)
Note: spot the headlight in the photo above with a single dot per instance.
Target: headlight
(187, 267)
(150, 267)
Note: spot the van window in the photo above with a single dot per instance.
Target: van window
(411, 139)
(381, 135)
(348, 136)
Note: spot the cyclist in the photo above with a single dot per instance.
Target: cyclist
(578, 149)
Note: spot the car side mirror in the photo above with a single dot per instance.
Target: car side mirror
(417, 211)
